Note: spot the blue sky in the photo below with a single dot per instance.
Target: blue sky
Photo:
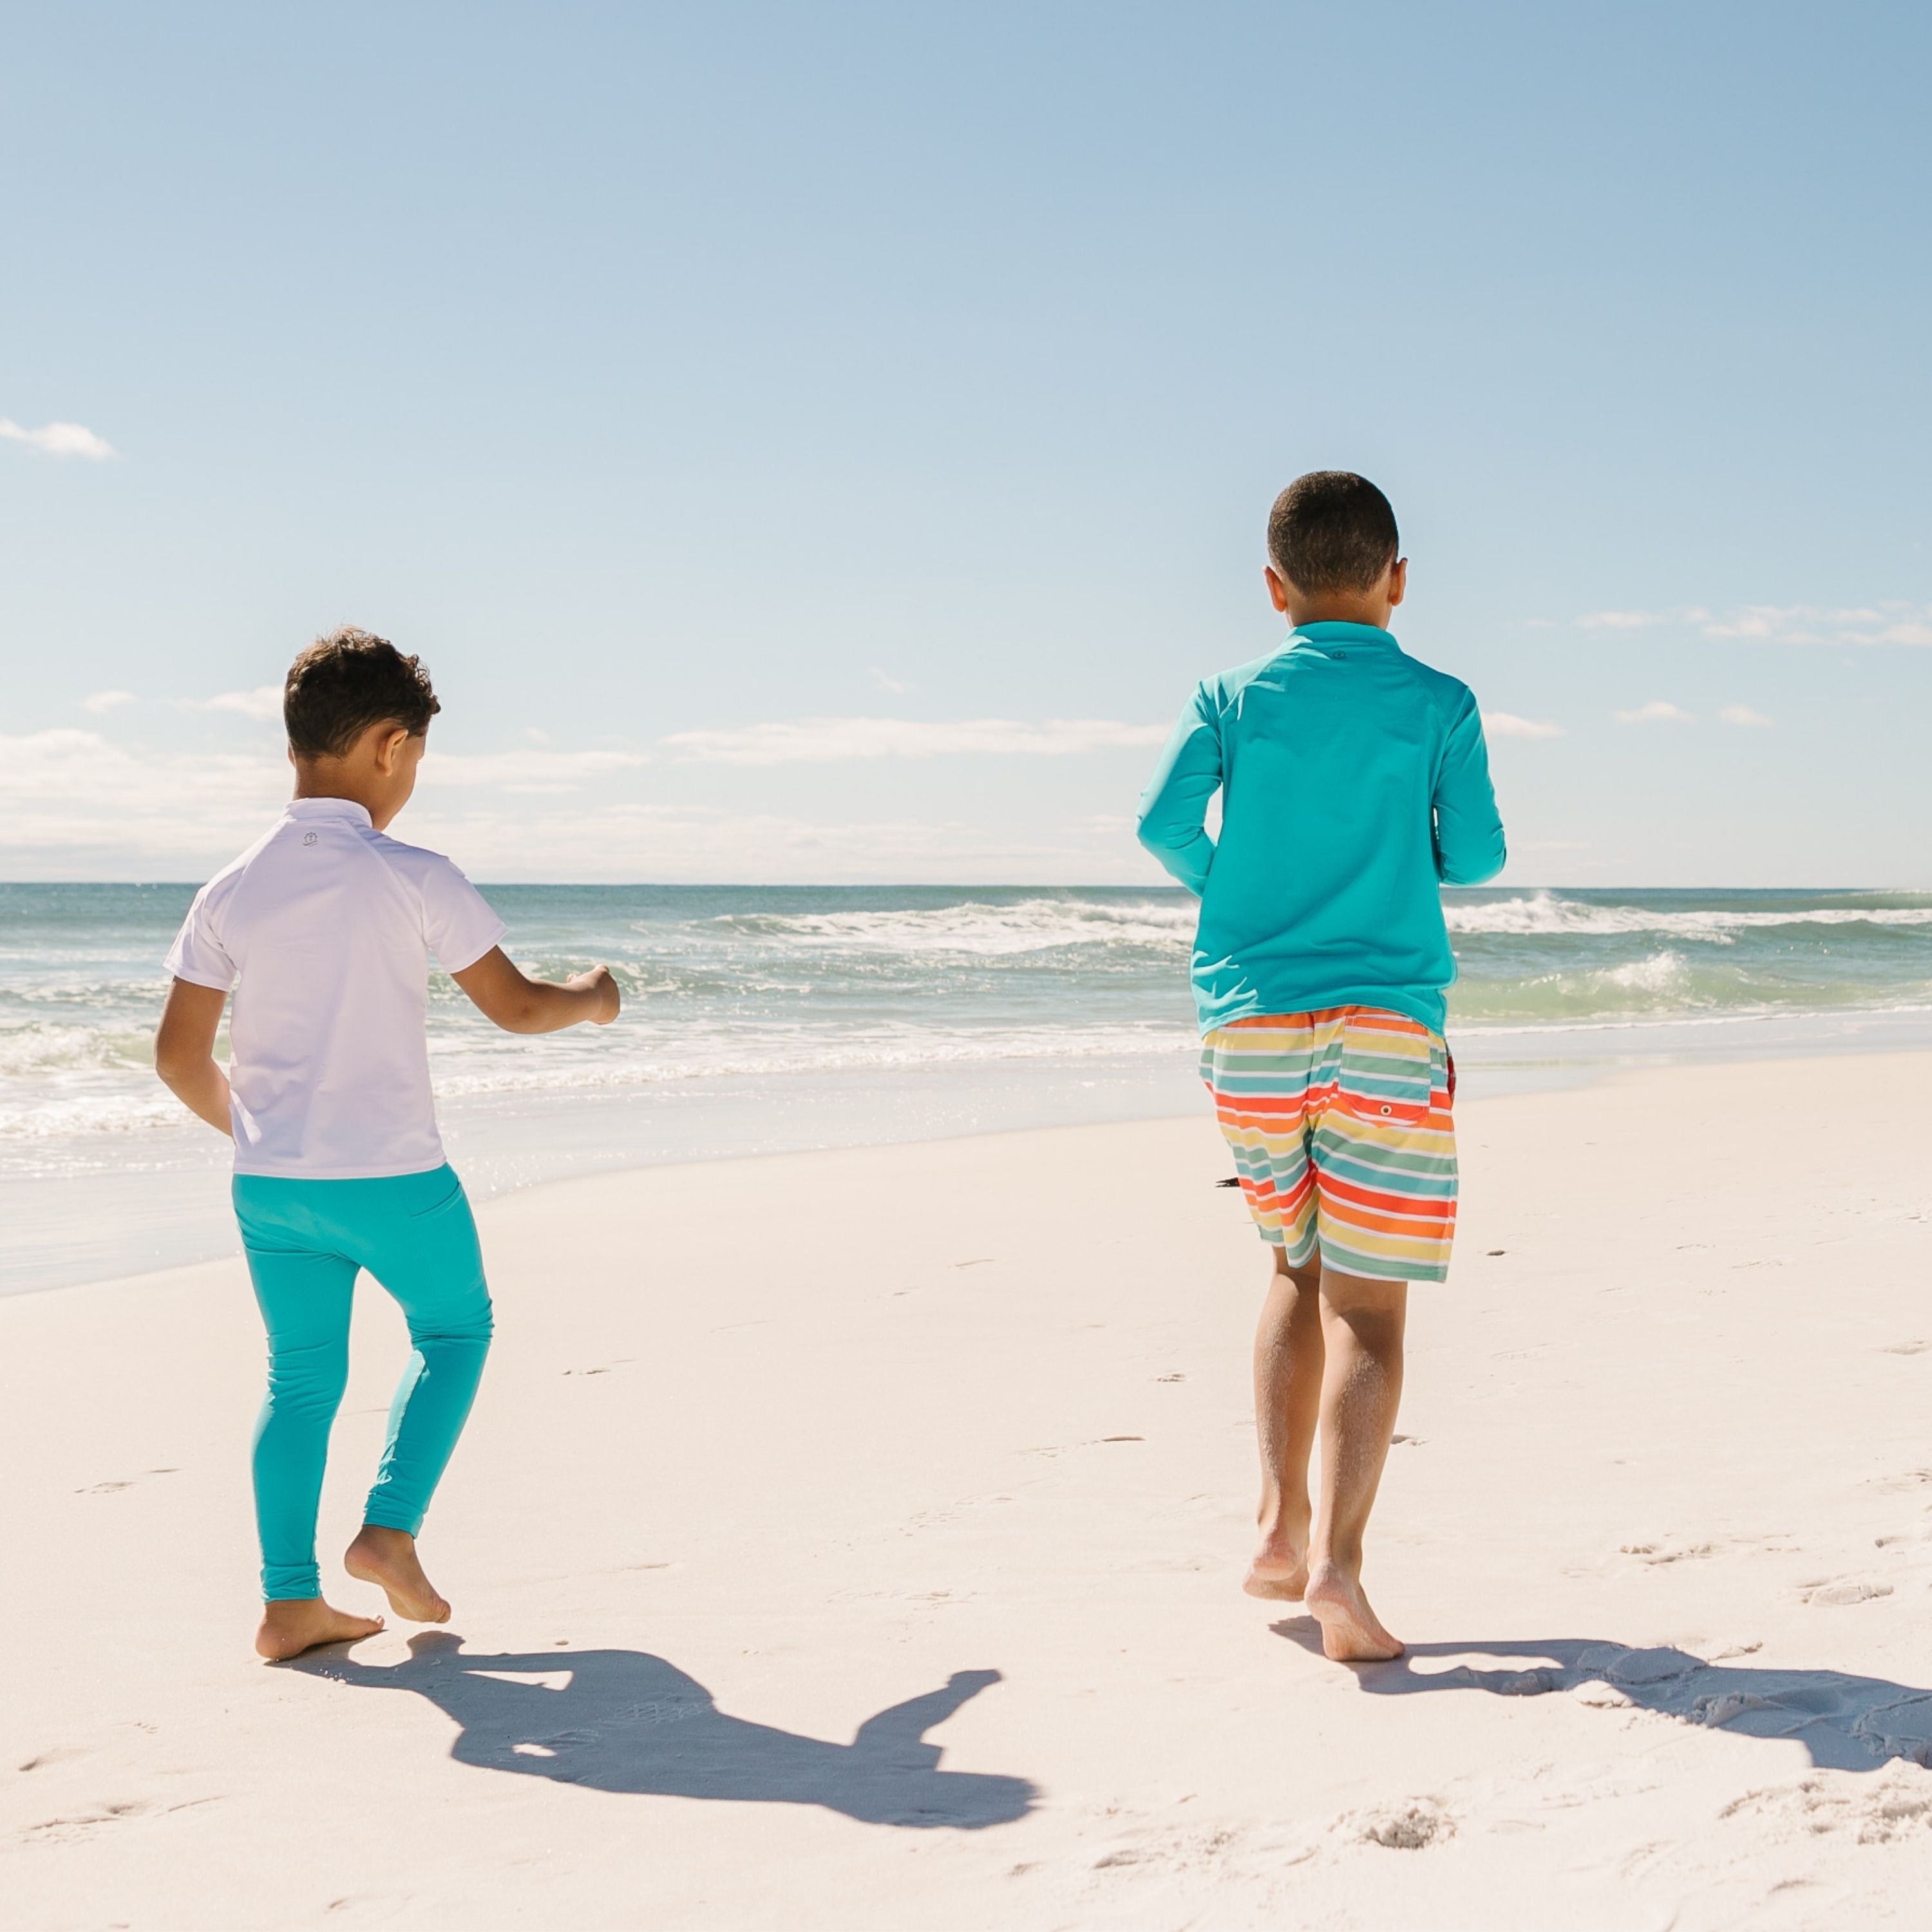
(828, 442)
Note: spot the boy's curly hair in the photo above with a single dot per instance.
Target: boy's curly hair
(345, 682)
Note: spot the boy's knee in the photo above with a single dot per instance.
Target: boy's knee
(1363, 1296)
(310, 1374)
(1306, 1275)
(473, 1329)
(305, 1397)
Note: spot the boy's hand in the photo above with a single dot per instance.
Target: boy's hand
(598, 980)
(520, 1004)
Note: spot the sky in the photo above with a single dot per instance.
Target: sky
(828, 442)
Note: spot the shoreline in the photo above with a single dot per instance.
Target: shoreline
(533, 1138)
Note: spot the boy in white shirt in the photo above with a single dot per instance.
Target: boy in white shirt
(328, 925)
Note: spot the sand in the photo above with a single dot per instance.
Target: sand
(855, 1539)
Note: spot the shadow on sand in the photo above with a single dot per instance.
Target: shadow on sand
(623, 1721)
(1846, 1723)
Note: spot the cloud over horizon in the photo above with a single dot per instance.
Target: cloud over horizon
(828, 740)
(1891, 622)
(1507, 725)
(58, 438)
(75, 804)
(262, 704)
(1658, 711)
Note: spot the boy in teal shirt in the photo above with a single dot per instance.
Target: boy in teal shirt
(1353, 781)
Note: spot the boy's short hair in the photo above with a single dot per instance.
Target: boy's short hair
(1332, 530)
(346, 682)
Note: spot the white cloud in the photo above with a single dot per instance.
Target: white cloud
(1889, 623)
(531, 771)
(831, 740)
(262, 704)
(623, 839)
(58, 438)
(1657, 712)
(898, 687)
(67, 793)
(1507, 725)
(1742, 714)
(1621, 620)
(1884, 623)
(72, 805)
(98, 701)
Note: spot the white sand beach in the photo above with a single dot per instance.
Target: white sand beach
(864, 1530)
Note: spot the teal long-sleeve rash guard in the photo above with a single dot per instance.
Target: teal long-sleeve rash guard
(1354, 782)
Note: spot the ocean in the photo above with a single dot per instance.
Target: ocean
(765, 1019)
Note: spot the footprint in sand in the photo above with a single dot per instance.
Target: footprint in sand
(1639, 1669)
(1903, 1729)
(1908, 1479)
(123, 1483)
(1406, 1826)
(1896, 1805)
(1840, 1590)
(1666, 1553)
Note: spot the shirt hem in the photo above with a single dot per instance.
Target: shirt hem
(227, 986)
(1417, 1006)
(495, 940)
(387, 1170)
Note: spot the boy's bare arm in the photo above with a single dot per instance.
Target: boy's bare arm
(184, 1051)
(502, 993)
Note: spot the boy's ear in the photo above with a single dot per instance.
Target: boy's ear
(1398, 581)
(388, 747)
(1277, 588)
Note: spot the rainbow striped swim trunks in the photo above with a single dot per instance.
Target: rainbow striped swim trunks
(1340, 1124)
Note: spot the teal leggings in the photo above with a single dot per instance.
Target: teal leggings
(305, 1240)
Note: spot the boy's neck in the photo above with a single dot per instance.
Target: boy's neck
(313, 781)
(1372, 611)
(378, 771)
(1371, 604)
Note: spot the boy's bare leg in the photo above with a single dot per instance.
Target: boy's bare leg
(296, 1623)
(388, 1557)
(1362, 1322)
(1287, 1402)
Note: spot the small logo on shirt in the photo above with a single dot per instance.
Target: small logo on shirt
(308, 838)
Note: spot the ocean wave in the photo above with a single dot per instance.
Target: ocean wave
(1544, 914)
(973, 928)
(83, 1116)
(731, 1059)
(26, 1052)
(462, 1071)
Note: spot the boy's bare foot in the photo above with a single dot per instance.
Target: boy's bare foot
(388, 1557)
(298, 1624)
(1278, 1573)
(1351, 1633)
